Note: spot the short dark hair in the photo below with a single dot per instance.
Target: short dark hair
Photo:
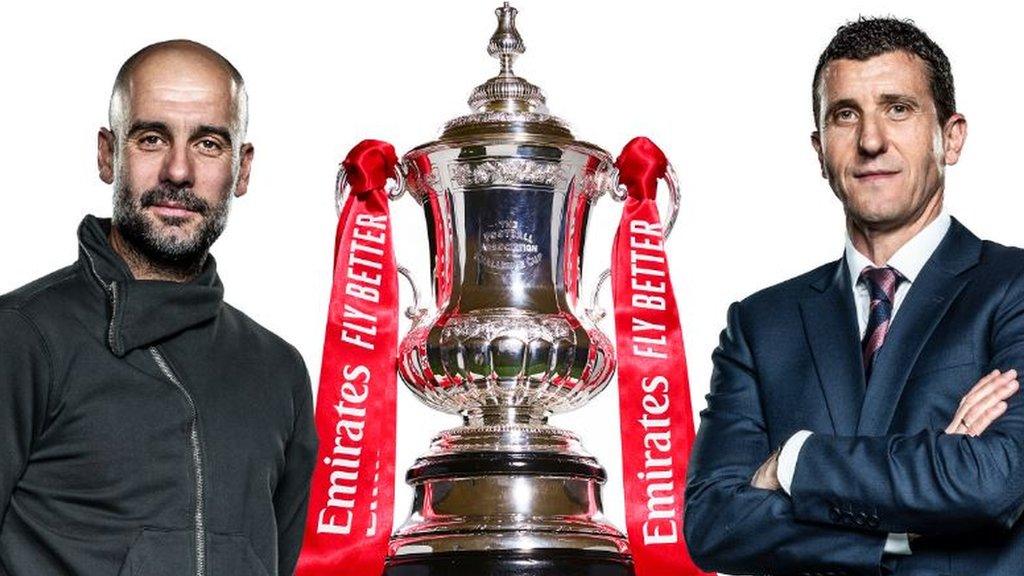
(870, 37)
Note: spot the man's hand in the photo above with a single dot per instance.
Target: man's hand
(767, 476)
(985, 402)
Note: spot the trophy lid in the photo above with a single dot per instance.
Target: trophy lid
(507, 108)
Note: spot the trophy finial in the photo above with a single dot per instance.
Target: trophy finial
(506, 43)
(506, 91)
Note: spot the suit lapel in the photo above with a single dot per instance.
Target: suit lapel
(830, 323)
(927, 301)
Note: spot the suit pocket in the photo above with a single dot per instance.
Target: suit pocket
(158, 552)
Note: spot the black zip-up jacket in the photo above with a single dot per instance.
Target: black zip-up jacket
(146, 427)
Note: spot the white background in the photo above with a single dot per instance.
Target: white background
(723, 87)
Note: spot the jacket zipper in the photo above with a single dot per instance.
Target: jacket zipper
(197, 462)
(199, 517)
(112, 291)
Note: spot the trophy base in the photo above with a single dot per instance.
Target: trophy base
(553, 562)
(516, 499)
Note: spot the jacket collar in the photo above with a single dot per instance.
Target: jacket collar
(958, 251)
(143, 312)
(830, 322)
(910, 258)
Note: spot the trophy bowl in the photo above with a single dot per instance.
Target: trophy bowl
(506, 344)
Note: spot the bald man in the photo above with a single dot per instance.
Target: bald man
(146, 426)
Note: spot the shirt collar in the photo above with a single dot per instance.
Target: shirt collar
(910, 258)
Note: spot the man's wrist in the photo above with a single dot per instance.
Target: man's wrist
(788, 459)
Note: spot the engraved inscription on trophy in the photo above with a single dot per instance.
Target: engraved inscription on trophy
(506, 247)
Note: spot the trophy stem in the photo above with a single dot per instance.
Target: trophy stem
(505, 415)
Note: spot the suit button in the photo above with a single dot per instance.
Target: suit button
(861, 519)
(836, 514)
(873, 521)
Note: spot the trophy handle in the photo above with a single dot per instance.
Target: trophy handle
(395, 191)
(618, 193)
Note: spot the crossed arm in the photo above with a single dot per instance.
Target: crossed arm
(923, 483)
(932, 482)
(979, 408)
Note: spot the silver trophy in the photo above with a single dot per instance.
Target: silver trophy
(507, 192)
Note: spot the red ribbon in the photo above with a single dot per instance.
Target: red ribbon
(654, 392)
(352, 494)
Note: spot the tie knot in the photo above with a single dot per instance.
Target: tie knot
(881, 281)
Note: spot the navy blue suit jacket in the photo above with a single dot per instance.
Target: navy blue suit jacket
(878, 461)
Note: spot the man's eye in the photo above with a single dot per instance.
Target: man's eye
(209, 145)
(150, 141)
(845, 115)
(899, 110)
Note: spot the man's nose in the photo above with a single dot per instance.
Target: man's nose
(178, 168)
(873, 140)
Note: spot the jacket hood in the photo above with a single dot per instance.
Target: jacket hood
(144, 312)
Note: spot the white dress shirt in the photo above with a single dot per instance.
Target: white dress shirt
(908, 261)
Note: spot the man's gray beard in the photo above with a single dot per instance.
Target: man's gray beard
(164, 252)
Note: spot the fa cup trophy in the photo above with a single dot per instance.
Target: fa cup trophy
(507, 192)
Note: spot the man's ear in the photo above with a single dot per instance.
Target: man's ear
(244, 167)
(105, 142)
(816, 143)
(954, 134)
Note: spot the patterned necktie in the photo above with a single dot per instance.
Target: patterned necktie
(881, 283)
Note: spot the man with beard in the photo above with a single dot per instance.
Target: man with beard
(146, 426)
(864, 417)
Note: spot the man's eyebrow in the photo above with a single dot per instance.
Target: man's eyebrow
(213, 130)
(142, 126)
(898, 98)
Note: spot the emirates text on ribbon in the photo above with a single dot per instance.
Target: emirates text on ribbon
(358, 329)
(648, 271)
